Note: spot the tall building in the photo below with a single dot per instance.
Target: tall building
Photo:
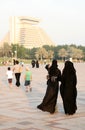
(25, 31)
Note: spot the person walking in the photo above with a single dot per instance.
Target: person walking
(33, 63)
(17, 70)
(28, 78)
(37, 64)
(50, 99)
(68, 88)
(9, 74)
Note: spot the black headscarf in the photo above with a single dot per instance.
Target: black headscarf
(53, 68)
(69, 68)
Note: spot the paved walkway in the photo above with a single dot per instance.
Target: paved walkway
(18, 109)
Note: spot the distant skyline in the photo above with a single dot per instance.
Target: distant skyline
(62, 20)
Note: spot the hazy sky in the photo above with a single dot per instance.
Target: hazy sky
(63, 20)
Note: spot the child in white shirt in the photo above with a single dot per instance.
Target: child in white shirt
(9, 74)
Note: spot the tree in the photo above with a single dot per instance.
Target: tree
(62, 53)
(50, 54)
(6, 50)
(41, 53)
(76, 53)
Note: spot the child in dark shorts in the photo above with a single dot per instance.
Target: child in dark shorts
(9, 74)
(28, 78)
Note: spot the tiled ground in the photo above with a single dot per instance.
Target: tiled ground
(18, 109)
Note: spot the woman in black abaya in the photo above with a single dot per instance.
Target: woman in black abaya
(50, 99)
(68, 88)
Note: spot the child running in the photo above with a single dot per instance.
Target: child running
(28, 78)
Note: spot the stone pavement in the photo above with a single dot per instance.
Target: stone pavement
(18, 109)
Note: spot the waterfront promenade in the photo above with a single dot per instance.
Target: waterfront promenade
(18, 109)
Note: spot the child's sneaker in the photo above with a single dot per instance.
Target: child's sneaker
(30, 89)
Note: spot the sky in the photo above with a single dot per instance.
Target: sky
(62, 20)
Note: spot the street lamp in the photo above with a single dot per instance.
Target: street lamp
(15, 54)
(12, 58)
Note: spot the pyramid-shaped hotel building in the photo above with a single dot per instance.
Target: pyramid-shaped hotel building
(25, 31)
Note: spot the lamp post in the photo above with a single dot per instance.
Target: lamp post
(15, 54)
(12, 58)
